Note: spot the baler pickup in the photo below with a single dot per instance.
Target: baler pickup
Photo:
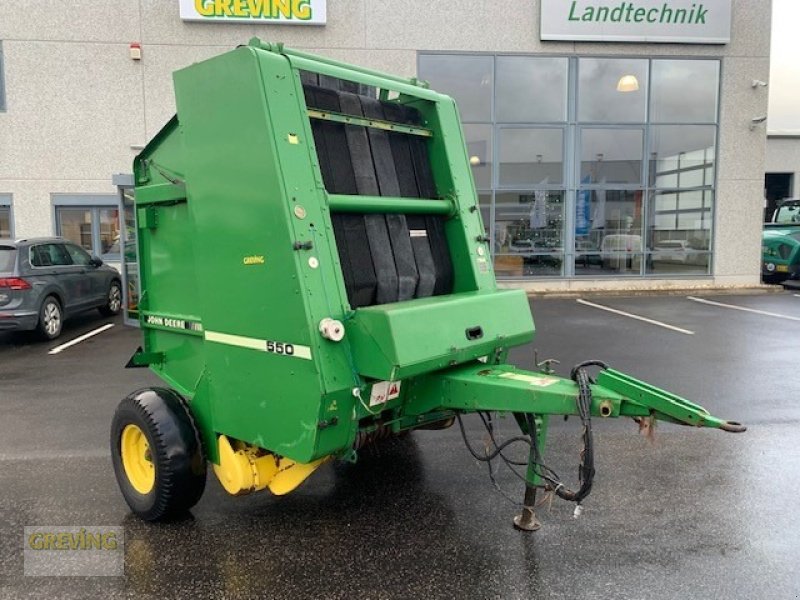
(315, 275)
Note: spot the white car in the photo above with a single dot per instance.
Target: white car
(673, 251)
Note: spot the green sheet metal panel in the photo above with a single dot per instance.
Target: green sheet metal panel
(393, 341)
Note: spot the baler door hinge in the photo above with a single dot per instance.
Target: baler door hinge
(141, 359)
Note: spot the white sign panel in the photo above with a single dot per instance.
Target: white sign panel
(284, 12)
(672, 21)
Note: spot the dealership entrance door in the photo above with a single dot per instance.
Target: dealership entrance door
(129, 254)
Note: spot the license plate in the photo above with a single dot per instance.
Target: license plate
(782, 268)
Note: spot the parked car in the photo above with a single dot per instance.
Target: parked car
(536, 252)
(587, 253)
(673, 251)
(780, 251)
(621, 251)
(44, 281)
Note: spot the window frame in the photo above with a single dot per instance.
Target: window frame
(7, 202)
(49, 243)
(94, 203)
(572, 158)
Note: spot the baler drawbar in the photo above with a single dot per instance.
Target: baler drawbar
(315, 275)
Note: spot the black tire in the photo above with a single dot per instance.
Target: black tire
(113, 303)
(51, 319)
(175, 451)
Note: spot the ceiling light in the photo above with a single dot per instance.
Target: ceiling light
(628, 83)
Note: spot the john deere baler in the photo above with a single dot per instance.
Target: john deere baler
(315, 275)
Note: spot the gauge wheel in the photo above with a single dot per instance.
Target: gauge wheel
(113, 300)
(157, 454)
(51, 319)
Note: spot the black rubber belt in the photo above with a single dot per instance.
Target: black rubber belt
(378, 234)
(349, 229)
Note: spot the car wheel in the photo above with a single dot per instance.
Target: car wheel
(113, 300)
(51, 319)
(157, 454)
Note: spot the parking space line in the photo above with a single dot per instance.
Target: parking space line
(81, 338)
(797, 295)
(744, 308)
(637, 317)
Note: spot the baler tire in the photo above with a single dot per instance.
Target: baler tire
(174, 448)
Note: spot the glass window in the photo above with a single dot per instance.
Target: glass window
(8, 256)
(109, 230)
(93, 228)
(643, 149)
(682, 155)
(612, 90)
(5, 222)
(529, 228)
(611, 156)
(531, 157)
(531, 89)
(684, 91)
(608, 232)
(49, 255)
(469, 79)
(679, 236)
(75, 224)
(485, 205)
(78, 255)
(479, 150)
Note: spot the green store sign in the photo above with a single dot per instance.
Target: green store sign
(661, 21)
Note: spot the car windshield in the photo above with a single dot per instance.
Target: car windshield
(788, 213)
(7, 256)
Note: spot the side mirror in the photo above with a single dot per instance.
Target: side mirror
(96, 261)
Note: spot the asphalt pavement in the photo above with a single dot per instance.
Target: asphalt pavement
(690, 514)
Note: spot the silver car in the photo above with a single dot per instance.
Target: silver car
(44, 281)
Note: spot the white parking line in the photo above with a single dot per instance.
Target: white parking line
(81, 338)
(797, 295)
(744, 308)
(637, 317)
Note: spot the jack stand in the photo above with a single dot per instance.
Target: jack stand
(526, 520)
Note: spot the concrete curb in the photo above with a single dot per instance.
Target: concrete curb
(633, 293)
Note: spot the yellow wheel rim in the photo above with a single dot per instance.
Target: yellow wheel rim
(136, 459)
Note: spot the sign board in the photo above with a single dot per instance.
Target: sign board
(663, 21)
(283, 12)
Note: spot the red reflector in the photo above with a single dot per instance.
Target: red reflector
(14, 283)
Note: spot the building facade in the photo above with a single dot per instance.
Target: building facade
(599, 164)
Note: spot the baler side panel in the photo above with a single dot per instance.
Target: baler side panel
(167, 266)
(250, 293)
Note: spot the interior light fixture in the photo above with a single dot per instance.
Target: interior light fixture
(475, 160)
(628, 83)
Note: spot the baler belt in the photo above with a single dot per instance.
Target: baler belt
(350, 230)
(378, 233)
(421, 244)
(415, 177)
(382, 261)
(381, 150)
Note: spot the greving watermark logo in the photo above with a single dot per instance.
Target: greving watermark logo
(62, 551)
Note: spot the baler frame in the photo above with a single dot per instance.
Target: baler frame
(268, 399)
